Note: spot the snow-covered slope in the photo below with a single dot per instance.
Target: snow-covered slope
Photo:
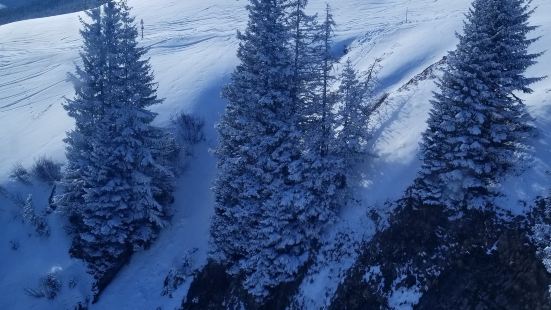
(193, 52)
(193, 48)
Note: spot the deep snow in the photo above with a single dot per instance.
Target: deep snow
(193, 52)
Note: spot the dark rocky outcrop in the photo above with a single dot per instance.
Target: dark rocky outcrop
(468, 261)
(455, 260)
(509, 278)
(214, 289)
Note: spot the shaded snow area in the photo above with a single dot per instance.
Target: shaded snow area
(29, 255)
(13, 3)
(193, 48)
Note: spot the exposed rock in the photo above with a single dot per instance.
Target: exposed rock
(472, 261)
(213, 288)
(426, 259)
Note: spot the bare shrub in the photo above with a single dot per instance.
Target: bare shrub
(30, 217)
(49, 287)
(189, 129)
(14, 245)
(20, 174)
(46, 170)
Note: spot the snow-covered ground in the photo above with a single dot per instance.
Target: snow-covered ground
(193, 52)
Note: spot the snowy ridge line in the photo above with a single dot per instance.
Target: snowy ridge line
(428, 73)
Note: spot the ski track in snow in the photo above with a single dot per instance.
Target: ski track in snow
(193, 48)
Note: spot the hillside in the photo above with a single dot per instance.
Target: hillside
(193, 44)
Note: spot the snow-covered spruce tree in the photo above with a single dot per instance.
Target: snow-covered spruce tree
(266, 222)
(328, 98)
(30, 217)
(88, 100)
(478, 126)
(353, 114)
(141, 92)
(324, 175)
(302, 36)
(315, 81)
(116, 183)
(312, 75)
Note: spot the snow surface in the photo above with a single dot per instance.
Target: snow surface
(193, 48)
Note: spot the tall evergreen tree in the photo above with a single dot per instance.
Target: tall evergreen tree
(327, 61)
(302, 35)
(353, 114)
(140, 91)
(267, 220)
(116, 178)
(317, 99)
(313, 69)
(258, 143)
(323, 176)
(478, 126)
(89, 87)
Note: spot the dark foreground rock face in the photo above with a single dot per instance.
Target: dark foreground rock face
(472, 262)
(509, 278)
(213, 289)
(210, 289)
(467, 261)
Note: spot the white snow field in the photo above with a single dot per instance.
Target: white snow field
(193, 48)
